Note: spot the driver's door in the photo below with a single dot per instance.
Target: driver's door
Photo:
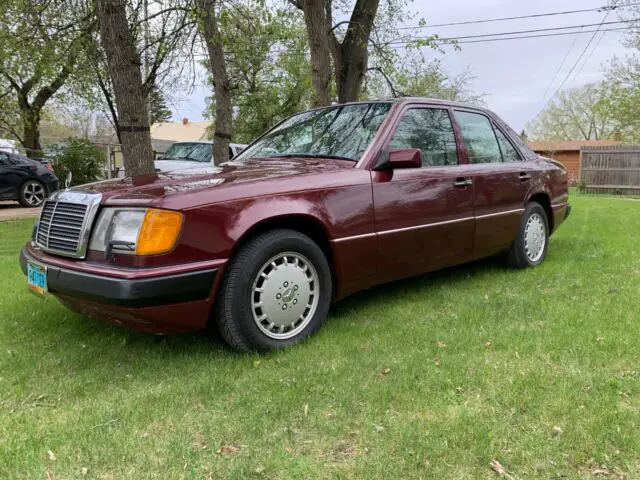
(423, 216)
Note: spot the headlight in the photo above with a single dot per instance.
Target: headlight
(136, 231)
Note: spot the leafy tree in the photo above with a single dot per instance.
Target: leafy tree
(41, 44)
(622, 95)
(622, 78)
(80, 157)
(132, 37)
(370, 33)
(577, 114)
(163, 37)
(159, 110)
(413, 75)
(267, 65)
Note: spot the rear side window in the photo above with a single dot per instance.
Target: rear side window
(479, 137)
(509, 153)
(4, 160)
(430, 130)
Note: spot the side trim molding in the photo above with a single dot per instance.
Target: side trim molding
(497, 214)
(353, 237)
(426, 225)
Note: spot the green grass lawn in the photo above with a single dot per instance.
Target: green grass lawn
(432, 377)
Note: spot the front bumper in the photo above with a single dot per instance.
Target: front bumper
(166, 303)
(138, 293)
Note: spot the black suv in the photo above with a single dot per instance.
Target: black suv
(28, 181)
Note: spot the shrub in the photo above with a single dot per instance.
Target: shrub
(82, 158)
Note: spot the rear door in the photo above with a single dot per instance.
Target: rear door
(501, 181)
(423, 216)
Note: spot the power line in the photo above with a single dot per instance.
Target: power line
(620, 29)
(604, 8)
(490, 37)
(555, 75)
(402, 44)
(595, 47)
(516, 32)
(579, 58)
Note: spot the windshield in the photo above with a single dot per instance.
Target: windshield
(335, 132)
(195, 152)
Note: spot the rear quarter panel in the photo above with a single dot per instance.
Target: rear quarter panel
(552, 181)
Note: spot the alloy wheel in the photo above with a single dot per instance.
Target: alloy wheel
(535, 237)
(285, 295)
(34, 193)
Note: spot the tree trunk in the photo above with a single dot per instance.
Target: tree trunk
(208, 25)
(354, 57)
(31, 132)
(318, 33)
(350, 57)
(123, 60)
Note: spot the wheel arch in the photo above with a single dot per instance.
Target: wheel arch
(545, 201)
(303, 223)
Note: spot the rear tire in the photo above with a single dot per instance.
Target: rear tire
(32, 194)
(276, 291)
(529, 249)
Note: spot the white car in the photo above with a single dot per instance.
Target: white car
(196, 156)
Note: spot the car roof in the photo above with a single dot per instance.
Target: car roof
(412, 100)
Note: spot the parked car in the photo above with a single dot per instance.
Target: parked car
(329, 202)
(25, 180)
(192, 155)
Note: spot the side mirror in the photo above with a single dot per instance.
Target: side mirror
(404, 158)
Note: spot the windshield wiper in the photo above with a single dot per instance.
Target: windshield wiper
(313, 155)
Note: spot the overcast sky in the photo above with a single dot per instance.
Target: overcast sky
(514, 74)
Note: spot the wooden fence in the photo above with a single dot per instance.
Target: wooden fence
(610, 169)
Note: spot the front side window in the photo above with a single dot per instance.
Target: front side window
(479, 137)
(430, 130)
(509, 153)
(342, 132)
(195, 152)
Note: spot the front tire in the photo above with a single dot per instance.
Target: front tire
(529, 249)
(32, 194)
(275, 292)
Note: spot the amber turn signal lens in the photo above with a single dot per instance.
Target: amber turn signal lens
(159, 232)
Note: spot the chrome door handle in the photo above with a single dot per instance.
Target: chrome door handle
(524, 177)
(462, 182)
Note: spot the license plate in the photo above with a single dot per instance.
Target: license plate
(37, 278)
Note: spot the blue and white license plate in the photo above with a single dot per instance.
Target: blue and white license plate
(37, 278)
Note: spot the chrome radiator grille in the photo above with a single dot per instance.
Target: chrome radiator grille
(65, 223)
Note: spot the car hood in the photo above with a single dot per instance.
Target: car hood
(152, 188)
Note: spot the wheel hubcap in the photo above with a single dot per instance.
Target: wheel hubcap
(535, 237)
(34, 193)
(284, 297)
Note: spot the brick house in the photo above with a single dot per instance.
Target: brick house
(567, 152)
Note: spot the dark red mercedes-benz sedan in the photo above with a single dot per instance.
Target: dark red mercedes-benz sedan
(329, 202)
